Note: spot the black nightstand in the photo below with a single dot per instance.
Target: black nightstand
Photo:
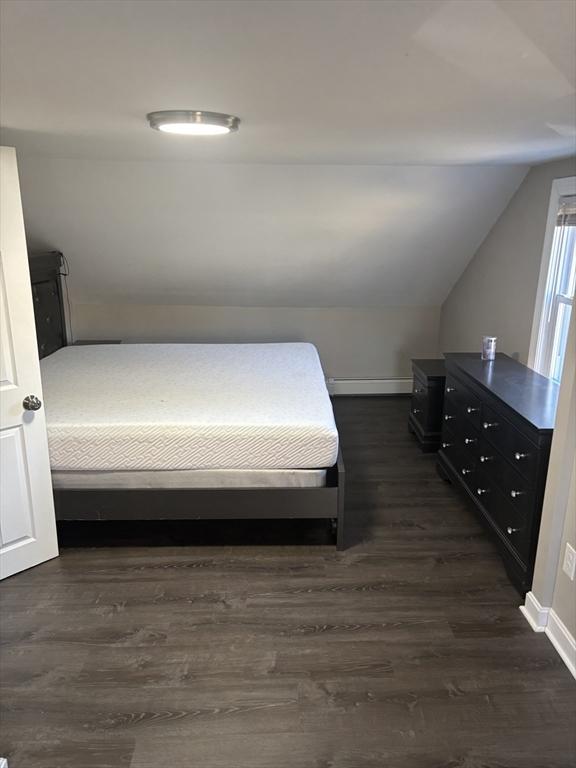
(425, 420)
(88, 342)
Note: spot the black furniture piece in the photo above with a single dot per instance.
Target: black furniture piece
(497, 429)
(92, 342)
(425, 420)
(45, 273)
(212, 504)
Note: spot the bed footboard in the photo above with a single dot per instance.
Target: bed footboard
(210, 504)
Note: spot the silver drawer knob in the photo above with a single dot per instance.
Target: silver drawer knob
(466, 471)
(481, 491)
(416, 410)
(490, 424)
(519, 456)
(484, 459)
(446, 445)
(511, 530)
(31, 403)
(447, 417)
(470, 440)
(472, 410)
(418, 391)
(515, 494)
(450, 389)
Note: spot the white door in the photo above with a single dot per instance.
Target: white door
(27, 523)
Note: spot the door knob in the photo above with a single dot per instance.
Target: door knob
(32, 403)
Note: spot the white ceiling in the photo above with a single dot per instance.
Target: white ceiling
(314, 81)
(380, 140)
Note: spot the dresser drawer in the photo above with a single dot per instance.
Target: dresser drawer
(514, 526)
(468, 436)
(419, 408)
(463, 462)
(463, 432)
(470, 405)
(451, 389)
(510, 442)
(452, 395)
(463, 401)
(419, 385)
(451, 416)
(519, 490)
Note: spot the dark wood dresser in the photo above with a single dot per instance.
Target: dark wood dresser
(425, 420)
(497, 429)
(45, 271)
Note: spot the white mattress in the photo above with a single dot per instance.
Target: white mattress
(188, 406)
(190, 478)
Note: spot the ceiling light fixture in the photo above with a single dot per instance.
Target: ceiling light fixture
(191, 122)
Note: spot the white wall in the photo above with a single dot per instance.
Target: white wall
(564, 600)
(356, 259)
(496, 293)
(551, 604)
(353, 343)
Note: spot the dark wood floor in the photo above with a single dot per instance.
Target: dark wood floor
(407, 651)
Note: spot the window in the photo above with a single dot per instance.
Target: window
(557, 282)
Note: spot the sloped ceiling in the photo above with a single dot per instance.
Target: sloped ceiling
(259, 235)
(379, 142)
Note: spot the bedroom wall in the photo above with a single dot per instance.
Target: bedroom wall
(356, 259)
(551, 604)
(564, 601)
(353, 342)
(496, 293)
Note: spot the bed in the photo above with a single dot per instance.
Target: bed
(189, 431)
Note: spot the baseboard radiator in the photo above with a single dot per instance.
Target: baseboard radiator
(392, 386)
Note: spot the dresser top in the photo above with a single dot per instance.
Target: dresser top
(432, 368)
(531, 395)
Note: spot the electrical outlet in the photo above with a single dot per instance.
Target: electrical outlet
(569, 566)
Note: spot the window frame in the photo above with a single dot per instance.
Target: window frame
(539, 355)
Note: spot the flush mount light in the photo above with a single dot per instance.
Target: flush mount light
(192, 122)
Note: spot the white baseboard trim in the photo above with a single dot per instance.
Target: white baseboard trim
(562, 640)
(399, 386)
(534, 613)
(547, 620)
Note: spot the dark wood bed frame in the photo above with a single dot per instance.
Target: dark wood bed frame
(174, 504)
